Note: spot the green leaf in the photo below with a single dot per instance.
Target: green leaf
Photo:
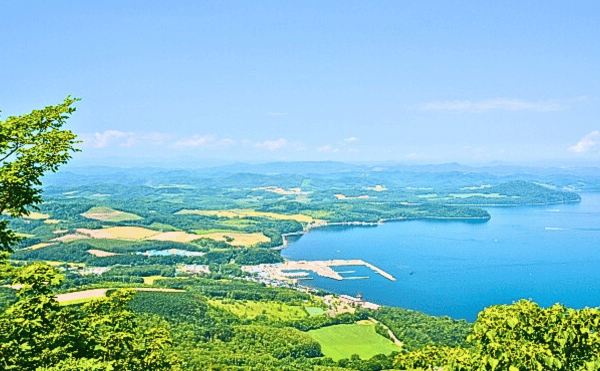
(494, 363)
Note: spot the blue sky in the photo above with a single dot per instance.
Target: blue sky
(408, 81)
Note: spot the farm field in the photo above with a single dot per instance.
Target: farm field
(314, 311)
(101, 253)
(36, 216)
(86, 295)
(106, 214)
(125, 233)
(111, 244)
(249, 213)
(163, 227)
(38, 246)
(140, 233)
(150, 280)
(253, 309)
(175, 237)
(238, 239)
(342, 341)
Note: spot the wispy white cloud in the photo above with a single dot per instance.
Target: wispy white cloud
(327, 148)
(112, 138)
(272, 145)
(505, 104)
(195, 141)
(205, 141)
(414, 155)
(348, 141)
(587, 143)
(108, 138)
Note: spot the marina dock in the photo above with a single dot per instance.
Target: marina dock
(322, 268)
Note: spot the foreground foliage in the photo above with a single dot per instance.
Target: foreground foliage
(30, 145)
(521, 336)
(36, 333)
(416, 329)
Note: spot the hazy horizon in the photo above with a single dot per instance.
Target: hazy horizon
(198, 163)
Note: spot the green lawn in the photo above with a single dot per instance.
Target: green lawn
(314, 311)
(342, 341)
(163, 227)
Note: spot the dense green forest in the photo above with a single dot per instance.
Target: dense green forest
(191, 332)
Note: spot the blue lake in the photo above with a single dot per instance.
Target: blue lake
(548, 253)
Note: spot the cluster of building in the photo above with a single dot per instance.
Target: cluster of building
(194, 269)
(274, 275)
(358, 302)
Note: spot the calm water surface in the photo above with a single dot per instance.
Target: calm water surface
(550, 254)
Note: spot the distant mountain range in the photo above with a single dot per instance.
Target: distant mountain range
(323, 167)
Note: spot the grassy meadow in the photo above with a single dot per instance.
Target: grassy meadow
(342, 341)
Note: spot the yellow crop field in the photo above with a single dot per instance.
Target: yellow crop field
(139, 233)
(175, 237)
(238, 239)
(101, 254)
(34, 215)
(38, 246)
(123, 233)
(150, 280)
(70, 237)
(243, 213)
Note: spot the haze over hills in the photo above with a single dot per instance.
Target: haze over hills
(308, 167)
(579, 178)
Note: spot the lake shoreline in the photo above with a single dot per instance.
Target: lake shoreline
(310, 227)
(457, 269)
